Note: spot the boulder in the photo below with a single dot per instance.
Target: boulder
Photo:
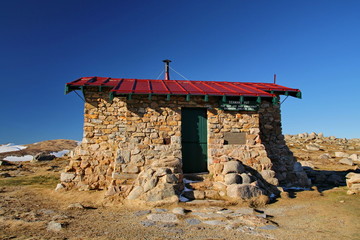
(341, 154)
(233, 167)
(43, 157)
(232, 178)
(54, 226)
(243, 191)
(312, 147)
(346, 161)
(352, 178)
(354, 157)
(67, 177)
(135, 193)
(246, 178)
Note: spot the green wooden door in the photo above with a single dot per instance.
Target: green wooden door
(194, 139)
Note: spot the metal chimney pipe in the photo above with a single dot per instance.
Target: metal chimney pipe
(167, 75)
(274, 78)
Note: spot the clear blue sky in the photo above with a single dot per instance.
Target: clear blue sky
(311, 45)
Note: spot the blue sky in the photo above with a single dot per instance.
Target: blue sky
(311, 45)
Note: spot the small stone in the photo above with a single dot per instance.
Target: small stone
(163, 217)
(75, 206)
(192, 221)
(59, 187)
(147, 223)
(54, 226)
(160, 210)
(167, 225)
(141, 213)
(179, 210)
(215, 222)
(268, 227)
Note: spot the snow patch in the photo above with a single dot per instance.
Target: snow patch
(60, 153)
(10, 147)
(19, 159)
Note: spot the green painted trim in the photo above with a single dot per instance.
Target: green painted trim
(275, 101)
(258, 100)
(206, 98)
(150, 96)
(224, 98)
(286, 93)
(188, 97)
(111, 96)
(100, 88)
(299, 95)
(67, 89)
(168, 96)
(82, 90)
(129, 96)
(241, 99)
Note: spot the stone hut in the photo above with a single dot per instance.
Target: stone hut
(141, 137)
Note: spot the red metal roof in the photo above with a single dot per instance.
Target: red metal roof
(183, 87)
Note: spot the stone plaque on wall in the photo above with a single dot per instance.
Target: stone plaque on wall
(234, 138)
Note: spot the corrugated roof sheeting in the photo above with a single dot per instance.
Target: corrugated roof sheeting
(182, 87)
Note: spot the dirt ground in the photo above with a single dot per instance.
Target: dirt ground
(28, 203)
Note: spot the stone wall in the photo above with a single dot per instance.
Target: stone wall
(132, 147)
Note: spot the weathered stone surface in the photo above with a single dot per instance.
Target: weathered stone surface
(59, 187)
(125, 137)
(163, 217)
(142, 212)
(192, 221)
(312, 147)
(233, 167)
(346, 161)
(75, 206)
(54, 226)
(135, 193)
(215, 222)
(341, 154)
(243, 191)
(67, 177)
(150, 184)
(232, 178)
(147, 223)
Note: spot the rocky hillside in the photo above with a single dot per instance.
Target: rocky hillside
(326, 160)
